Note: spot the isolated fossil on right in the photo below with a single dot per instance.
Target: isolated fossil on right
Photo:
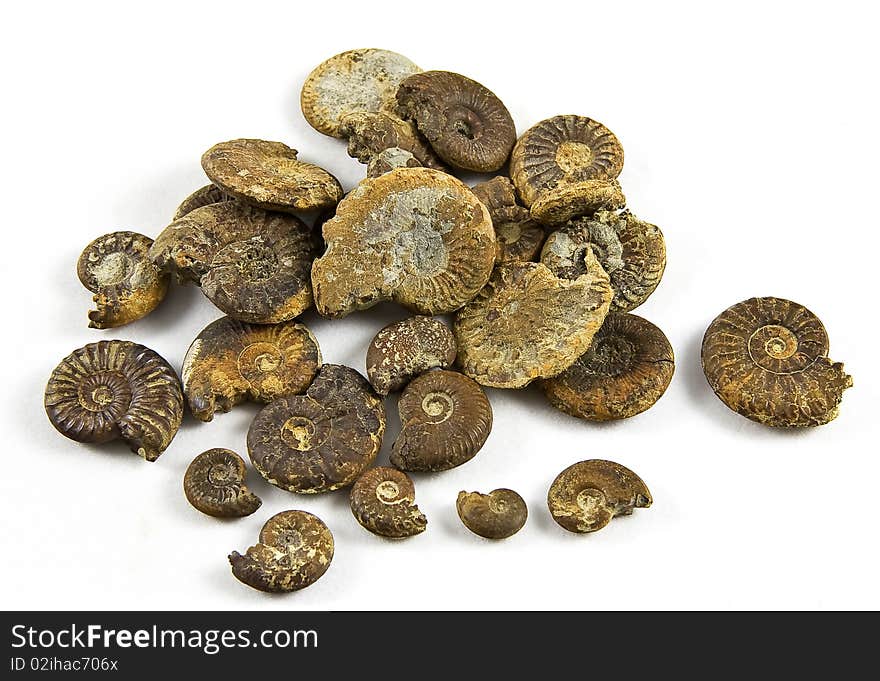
(383, 501)
(497, 515)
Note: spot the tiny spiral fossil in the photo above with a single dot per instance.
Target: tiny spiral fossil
(383, 501)
(214, 484)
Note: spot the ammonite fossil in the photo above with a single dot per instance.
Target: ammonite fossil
(371, 133)
(631, 251)
(497, 515)
(445, 418)
(414, 235)
(116, 389)
(407, 348)
(268, 175)
(214, 484)
(231, 361)
(587, 495)
(294, 551)
(320, 441)
(528, 324)
(584, 198)
(767, 359)
(464, 122)
(204, 196)
(383, 501)
(626, 370)
(355, 81)
(127, 285)
(517, 236)
(252, 264)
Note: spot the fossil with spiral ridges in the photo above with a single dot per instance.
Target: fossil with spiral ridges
(214, 484)
(382, 500)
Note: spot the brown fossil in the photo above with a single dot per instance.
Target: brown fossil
(583, 198)
(528, 324)
(631, 251)
(587, 495)
(252, 264)
(294, 551)
(214, 484)
(445, 418)
(116, 389)
(383, 501)
(268, 175)
(626, 370)
(767, 359)
(518, 238)
(204, 196)
(320, 441)
(414, 235)
(464, 122)
(391, 159)
(407, 348)
(232, 361)
(355, 81)
(497, 515)
(127, 285)
(370, 133)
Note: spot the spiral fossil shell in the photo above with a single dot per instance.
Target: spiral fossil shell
(383, 501)
(414, 235)
(631, 251)
(214, 484)
(626, 370)
(294, 551)
(528, 324)
(127, 286)
(203, 196)
(587, 495)
(356, 81)
(231, 361)
(518, 238)
(252, 264)
(766, 358)
(320, 441)
(497, 515)
(445, 419)
(116, 389)
(371, 133)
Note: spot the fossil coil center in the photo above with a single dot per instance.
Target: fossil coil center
(259, 359)
(387, 490)
(292, 539)
(438, 406)
(254, 260)
(771, 345)
(613, 355)
(509, 232)
(220, 474)
(497, 505)
(104, 391)
(590, 500)
(300, 433)
(112, 269)
(573, 156)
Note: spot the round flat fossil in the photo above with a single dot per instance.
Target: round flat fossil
(383, 501)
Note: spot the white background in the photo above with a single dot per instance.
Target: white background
(751, 139)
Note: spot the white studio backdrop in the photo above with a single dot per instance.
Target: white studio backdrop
(751, 139)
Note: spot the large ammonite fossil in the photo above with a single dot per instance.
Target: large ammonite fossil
(116, 389)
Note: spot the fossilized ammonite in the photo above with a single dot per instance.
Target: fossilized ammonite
(356, 81)
(116, 389)
(294, 551)
(464, 122)
(232, 361)
(497, 515)
(626, 370)
(252, 264)
(407, 348)
(445, 418)
(631, 251)
(767, 359)
(371, 133)
(528, 324)
(414, 235)
(214, 484)
(204, 196)
(383, 501)
(587, 495)
(518, 237)
(126, 283)
(320, 441)
(268, 175)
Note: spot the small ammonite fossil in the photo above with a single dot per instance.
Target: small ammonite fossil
(518, 238)
(587, 495)
(127, 285)
(320, 441)
(370, 133)
(631, 251)
(497, 515)
(445, 418)
(528, 324)
(357, 81)
(214, 484)
(232, 361)
(294, 551)
(204, 196)
(464, 122)
(391, 159)
(767, 359)
(626, 370)
(116, 389)
(383, 500)
(268, 175)
(414, 235)
(252, 264)
(405, 349)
